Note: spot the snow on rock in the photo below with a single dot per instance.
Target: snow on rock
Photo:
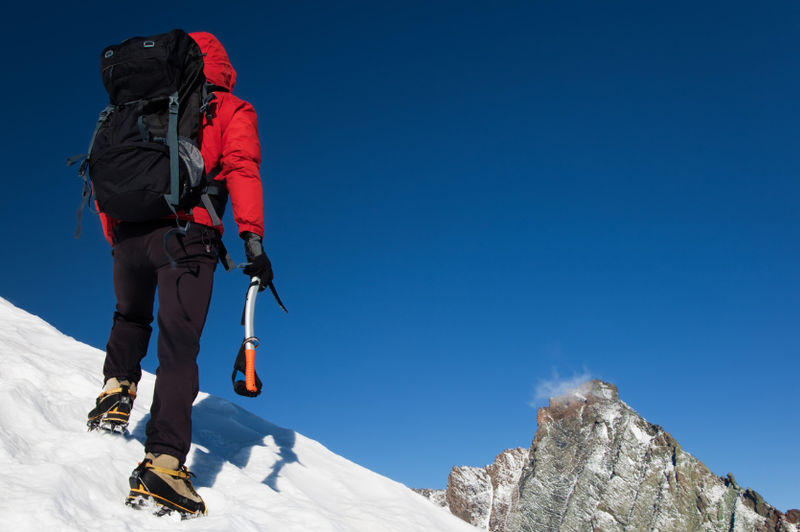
(485, 496)
(470, 494)
(437, 497)
(595, 464)
(252, 474)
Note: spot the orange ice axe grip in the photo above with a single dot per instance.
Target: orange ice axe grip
(250, 373)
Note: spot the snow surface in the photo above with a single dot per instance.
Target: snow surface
(252, 474)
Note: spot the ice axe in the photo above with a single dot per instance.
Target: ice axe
(246, 358)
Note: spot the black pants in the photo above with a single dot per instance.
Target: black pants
(184, 294)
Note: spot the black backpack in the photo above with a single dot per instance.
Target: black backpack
(144, 160)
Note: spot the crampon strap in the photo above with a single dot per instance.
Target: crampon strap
(183, 472)
(121, 389)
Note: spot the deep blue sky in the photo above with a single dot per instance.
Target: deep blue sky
(465, 202)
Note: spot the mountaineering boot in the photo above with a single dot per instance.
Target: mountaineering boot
(162, 484)
(113, 407)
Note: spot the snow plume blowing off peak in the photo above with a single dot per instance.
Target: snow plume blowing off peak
(556, 387)
(252, 474)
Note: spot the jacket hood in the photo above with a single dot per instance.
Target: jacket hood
(218, 69)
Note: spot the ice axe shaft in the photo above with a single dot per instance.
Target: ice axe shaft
(250, 340)
(246, 358)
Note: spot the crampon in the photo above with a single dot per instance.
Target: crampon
(113, 410)
(164, 491)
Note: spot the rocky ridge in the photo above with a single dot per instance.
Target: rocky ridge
(596, 465)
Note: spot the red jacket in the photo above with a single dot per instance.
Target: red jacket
(228, 141)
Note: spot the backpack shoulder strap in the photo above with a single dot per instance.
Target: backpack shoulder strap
(217, 188)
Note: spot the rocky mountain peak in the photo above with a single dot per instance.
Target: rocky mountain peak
(597, 465)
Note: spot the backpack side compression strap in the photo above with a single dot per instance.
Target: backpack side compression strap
(174, 158)
(87, 188)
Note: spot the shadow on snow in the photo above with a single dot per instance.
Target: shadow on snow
(229, 433)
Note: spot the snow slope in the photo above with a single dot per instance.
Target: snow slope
(253, 475)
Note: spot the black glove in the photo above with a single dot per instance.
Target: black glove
(259, 266)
